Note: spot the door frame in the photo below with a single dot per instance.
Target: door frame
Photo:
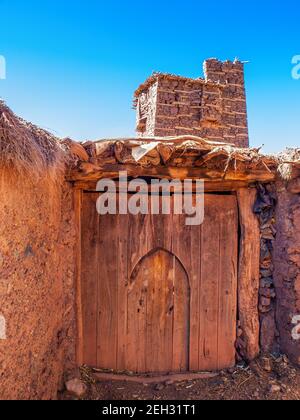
(248, 262)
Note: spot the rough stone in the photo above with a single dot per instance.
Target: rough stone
(275, 389)
(265, 209)
(267, 332)
(294, 186)
(266, 364)
(297, 286)
(76, 387)
(159, 387)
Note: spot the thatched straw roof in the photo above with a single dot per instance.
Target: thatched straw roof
(25, 148)
(289, 156)
(288, 161)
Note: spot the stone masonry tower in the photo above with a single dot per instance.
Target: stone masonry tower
(213, 108)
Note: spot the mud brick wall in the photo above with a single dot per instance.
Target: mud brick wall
(146, 111)
(213, 108)
(37, 321)
(287, 267)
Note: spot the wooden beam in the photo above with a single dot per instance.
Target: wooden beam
(209, 186)
(92, 172)
(180, 377)
(249, 276)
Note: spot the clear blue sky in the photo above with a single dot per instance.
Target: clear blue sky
(72, 66)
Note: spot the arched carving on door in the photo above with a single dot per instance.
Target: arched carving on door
(158, 314)
(149, 254)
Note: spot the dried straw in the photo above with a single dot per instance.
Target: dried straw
(28, 150)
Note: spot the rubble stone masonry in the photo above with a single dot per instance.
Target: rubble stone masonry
(265, 209)
(213, 108)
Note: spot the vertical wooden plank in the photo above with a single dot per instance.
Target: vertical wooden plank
(248, 278)
(89, 251)
(181, 322)
(182, 242)
(162, 229)
(160, 314)
(78, 245)
(155, 345)
(139, 244)
(166, 306)
(209, 291)
(195, 288)
(141, 325)
(108, 277)
(141, 239)
(228, 283)
(137, 320)
(192, 260)
(157, 325)
(123, 282)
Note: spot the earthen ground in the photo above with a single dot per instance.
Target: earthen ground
(241, 383)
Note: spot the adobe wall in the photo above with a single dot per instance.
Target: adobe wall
(213, 108)
(146, 111)
(287, 268)
(36, 288)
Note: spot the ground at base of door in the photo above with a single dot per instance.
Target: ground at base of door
(264, 379)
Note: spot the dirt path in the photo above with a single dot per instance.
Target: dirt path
(265, 379)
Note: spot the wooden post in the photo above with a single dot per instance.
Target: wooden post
(79, 341)
(249, 264)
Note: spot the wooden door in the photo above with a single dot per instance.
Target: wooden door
(158, 315)
(157, 295)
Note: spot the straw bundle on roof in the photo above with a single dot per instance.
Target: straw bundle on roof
(27, 149)
(288, 160)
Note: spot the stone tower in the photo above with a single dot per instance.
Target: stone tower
(213, 108)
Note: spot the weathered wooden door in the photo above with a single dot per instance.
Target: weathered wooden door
(157, 295)
(158, 314)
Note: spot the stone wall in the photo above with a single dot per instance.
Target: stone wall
(287, 268)
(213, 108)
(265, 209)
(278, 210)
(37, 327)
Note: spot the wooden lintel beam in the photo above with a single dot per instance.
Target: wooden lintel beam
(94, 173)
(209, 186)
